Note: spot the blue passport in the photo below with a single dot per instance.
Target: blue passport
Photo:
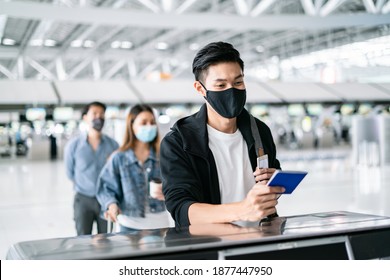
(287, 179)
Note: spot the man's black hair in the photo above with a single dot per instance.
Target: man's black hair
(214, 53)
(95, 103)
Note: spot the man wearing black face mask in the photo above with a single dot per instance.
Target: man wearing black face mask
(208, 160)
(85, 156)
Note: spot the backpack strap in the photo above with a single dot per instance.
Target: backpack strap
(256, 134)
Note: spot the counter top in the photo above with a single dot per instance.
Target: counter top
(277, 233)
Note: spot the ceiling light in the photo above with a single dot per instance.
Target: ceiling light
(36, 42)
(50, 43)
(161, 46)
(88, 44)
(8, 42)
(76, 43)
(115, 44)
(126, 45)
(194, 47)
(260, 48)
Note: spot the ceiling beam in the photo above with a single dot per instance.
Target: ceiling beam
(3, 21)
(330, 7)
(24, 43)
(96, 68)
(261, 7)
(95, 51)
(42, 70)
(309, 7)
(149, 4)
(7, 73)
(132, 68)
(184, 6)
(386, 8)
(242, 7)
(60, 69)
(199, 21)
(114, 69)
(372, 7)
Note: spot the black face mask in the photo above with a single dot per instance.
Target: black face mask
(98, 124)
(228, 103)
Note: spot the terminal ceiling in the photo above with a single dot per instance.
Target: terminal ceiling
(137, 39)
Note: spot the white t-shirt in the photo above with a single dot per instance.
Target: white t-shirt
(231, 157)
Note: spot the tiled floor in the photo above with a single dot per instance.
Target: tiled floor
(36, 197)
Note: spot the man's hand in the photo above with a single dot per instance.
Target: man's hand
(263, 175)
(260, 202)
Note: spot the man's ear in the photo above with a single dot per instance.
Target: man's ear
(199, 88)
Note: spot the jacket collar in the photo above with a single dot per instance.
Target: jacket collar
(130, 155)
(193, 131)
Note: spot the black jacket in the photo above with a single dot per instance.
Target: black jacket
(188, 168)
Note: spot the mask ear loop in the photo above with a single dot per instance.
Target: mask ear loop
(205, 97)
(202, 85)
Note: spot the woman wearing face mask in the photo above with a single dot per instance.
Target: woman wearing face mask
(125, 181)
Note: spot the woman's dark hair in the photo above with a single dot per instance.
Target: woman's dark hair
(214, 53)
(129, 139)
(89, 105)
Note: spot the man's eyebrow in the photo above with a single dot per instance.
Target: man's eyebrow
(224, 80)
(220, 80)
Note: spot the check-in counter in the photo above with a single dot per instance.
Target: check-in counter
(318, 236)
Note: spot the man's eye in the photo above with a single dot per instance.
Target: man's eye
(239, 83)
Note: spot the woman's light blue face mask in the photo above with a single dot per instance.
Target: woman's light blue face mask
(146, 133)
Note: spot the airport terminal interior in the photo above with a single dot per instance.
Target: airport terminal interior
(316, 72)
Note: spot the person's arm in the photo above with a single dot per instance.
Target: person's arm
(260, 202)
(181, 187)
(69, 159)
(109, 188)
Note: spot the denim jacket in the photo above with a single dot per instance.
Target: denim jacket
(124, 181)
